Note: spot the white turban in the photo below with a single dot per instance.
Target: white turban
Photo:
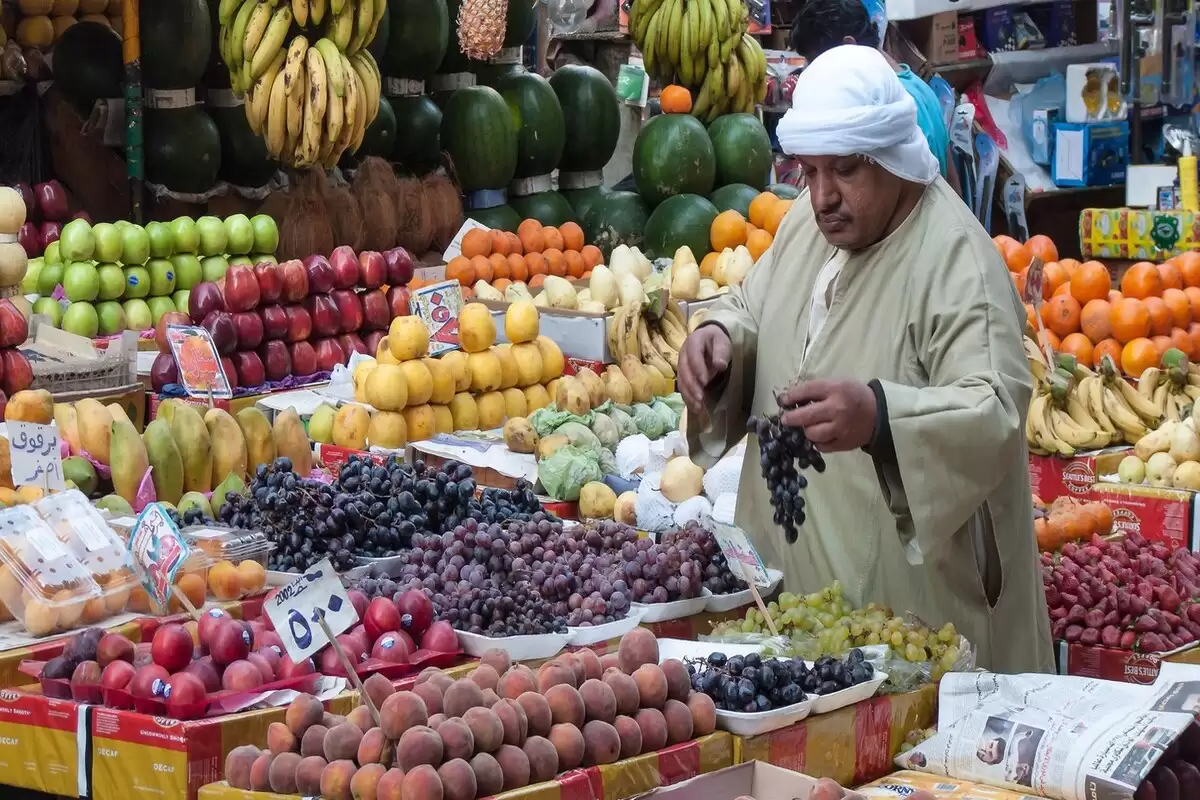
(849, 101)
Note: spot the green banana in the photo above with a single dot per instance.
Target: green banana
(684, 67)
(702, 26)
(645, 16)
(238, 35)
(333, 65)
(256, 28)
(648, 56)
(227, 10)
(674, 32)
(663, 44)
(272, 41)
(336, 6)
(342, 28)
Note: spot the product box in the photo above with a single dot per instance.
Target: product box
(1137, 234)
(333, 457)
(1052, 477)
(1161, 515)
(941, 45)
(1112, 664)
(40, 744)
(753, 779)
(1094, 93)
(1044, 120)
(1090, 153)
(907, 782)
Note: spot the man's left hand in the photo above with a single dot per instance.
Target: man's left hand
(836, 415)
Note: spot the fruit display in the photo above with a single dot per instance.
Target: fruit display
(738, 240)
(501, 728)
(500, 265)
(752, 683)
(311, 99)
(40, 24)
(1123, 593)
(1068, 520)
(47, 209)
(783, 452)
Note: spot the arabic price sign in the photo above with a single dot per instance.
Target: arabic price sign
(200, 370)
(1033, 283)
(744, 561)
(36, 460)
(295, 609)
(438, 306)
(158, 551)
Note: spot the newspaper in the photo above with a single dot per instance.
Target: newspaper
(1056, 736)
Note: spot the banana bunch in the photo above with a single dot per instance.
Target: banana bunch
(657, 342)
(703, 45)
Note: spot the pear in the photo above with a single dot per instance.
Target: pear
(320, 424)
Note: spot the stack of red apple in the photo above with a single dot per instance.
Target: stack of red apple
(47, 209)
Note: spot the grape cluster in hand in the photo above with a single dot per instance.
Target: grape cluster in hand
(783, 452)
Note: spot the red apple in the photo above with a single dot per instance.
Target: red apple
(372, 269)
(86, 675)
(329, 354)
(276, 363)
(249, 368)
(52, 200)
(206, 671)
(249, 327)
(209, 620)
(329, 663)
(219, 325)
(345, 267)
(29, 239)
(242, 676)
(269, 640)
(48, 233)
(184, 689)
(400, 266)
(299, 323)
(241, 288)
(416, 613)
(14, 329)
(271, 653)
(349, 309)
(291, 669)
(270, 282)
(398, 297)
(382, 616)
(377, 315)
(326, 320)
(113, 647)
(371, 340)
(263, 666)
(274, 322)
(360, 602)
(320, 274)
(149, 681)
(160, 329)
(304, 358)
(230, 371)
(351, 344)
(29, 198)
(163, 371)
(229, 642)
(295, 281)
(205, 298)
(117, 675)
(171, 647)
(440, 638)
(390, 647)
(408, 640)
(18, 375)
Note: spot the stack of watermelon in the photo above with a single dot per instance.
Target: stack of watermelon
(418, 42)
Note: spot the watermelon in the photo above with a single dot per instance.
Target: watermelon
(583, 200)
(419, 150)
(502, 218)
(742, 149)
(87, 64)
(615, 218)
(736, 196)
(489, 74)
(683, 219)
(177, 38)
(784, 190)
(548, 208)
(417, 38)
(673, 155)
(521, 19)
(182, 149)
(244, 158)
(591, 114)
(480, 138)
(380, 137)
(539, 120)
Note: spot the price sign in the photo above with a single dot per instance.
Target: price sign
(1033, 283)
(455, 246)
(744, 561)
(438, 305)
(296, 608)
(158, 551)
(36, 460)
(200, 370)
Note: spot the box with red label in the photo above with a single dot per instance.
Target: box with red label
(333, 457)
(1113, 664)
(40, 742)
(232, 406)
(1052, 477)
(1160, 515)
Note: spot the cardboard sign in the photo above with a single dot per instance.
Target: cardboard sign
(744, 561)
(36, 460)
(200, 369)
(158, 551)
(295, 609)
(1033, 283)
(438, 306)
(454, 249)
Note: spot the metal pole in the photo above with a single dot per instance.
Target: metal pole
(132, 56)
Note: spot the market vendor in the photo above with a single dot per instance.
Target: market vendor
(887, 321)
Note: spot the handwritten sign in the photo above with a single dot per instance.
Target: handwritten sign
(200, 369)
(158, 551)
(36, 460)
(744, 561)
(438, 306)
(1033, 283)
(296, 608)
(455, 246)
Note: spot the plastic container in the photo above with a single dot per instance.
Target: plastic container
(675, 609)
(520, 648)
(585, 635)
(824, 703)
(237, 560)
(41, 583)
(191, 578)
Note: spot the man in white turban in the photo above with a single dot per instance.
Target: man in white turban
(885, 326)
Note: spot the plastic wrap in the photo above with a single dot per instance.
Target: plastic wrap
(632, 455)
(563, 474)
(625, 424)
(694, 509)
(648, 421)
(548, 419)
(654, 512)
(606, 431)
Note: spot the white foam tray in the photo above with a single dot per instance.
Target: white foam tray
(824, 703)
(720, 603)
(740, 723)
(592, 634)
(519, 648)
(661, 612)
(681, 649)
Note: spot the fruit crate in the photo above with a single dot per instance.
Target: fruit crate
(70, 367)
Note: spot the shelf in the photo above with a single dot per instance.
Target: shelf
(1029, 66)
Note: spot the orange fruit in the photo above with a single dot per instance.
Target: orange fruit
(1043, 247)
(1053, 276)
(759, 207)
(1160, 317)
(477, 242)
(516, 267)
(1063, 288)
(556, 264)
(1138, 355)
(554, 239)
(500, 284)
(1061, 314)
(1019, 279)
(708, 264)
(1189, 267)
(1090, 282)
(535, 262)
(1181, 339)
(1161, 345)
(537, 280)
(591, 255)
(757, 244)
(1079, 346)
(1179, 306)
(775, 216)
(1172, 277)
(483, 269)
(528, 225)
(514, 243)
(1095, 320)
(728, 229)
(1130, 320)
(675, 100)
(1114, 296)
(1193, 296)
(575, 265)
(1142, 280)
(1070, 265)
(1030, 318)
(499, 266)
(1106, 347)
(1194, 332)
(532, 240)
(462, 269)
(572, 235)
(499, 243)
(1050, 338)
(1015, 255)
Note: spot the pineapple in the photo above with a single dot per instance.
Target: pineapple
(481, 27)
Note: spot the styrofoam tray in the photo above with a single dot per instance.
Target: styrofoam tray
(740, 723)
(681, 649)
(719, 603)
(824, 703)
(591, 634)
(520, 648)
(677, 609)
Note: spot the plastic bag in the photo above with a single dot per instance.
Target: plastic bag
(581, 436)
(668, 415)
(625, 424)
(606, 431)
(674, 401)
(548, 419)
(694, 509)
(563, 474)
(632, 455)
(648, 421)
(654, 512)
(607, 461)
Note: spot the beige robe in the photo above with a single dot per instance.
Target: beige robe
(931, 312)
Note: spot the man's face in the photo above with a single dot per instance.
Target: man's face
(989, 752)
(853, 199)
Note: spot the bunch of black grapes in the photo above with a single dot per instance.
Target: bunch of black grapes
(751, 683)
(783, 452)
(701, 546)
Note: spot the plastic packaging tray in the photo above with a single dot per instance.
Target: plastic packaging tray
(520, 648)
(676, 609)
(740, 723)
(720, 603)
(230, 545)
(591, 634)
(193, 568)
(824, 703)
(681, 649)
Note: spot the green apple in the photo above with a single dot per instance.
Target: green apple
(81, 282)
(112, 281)
(81, 320)
(122, 223)
(266, 233)
(241, 234)
(135, 245)
(213, 236)
(159, 306)
(111, 317)
(241, 260)
(162, 276)
(258, 258)
(108, 242)
(137, 282)
(53, 254)
(188, 271)
(213, 268)
(29, 282)
(50, 308)
(162, 241)
(137, 315)
(180, 299)
(49, 277)
(187, 238)
(76, 242)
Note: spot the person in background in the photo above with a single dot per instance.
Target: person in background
(823, 24)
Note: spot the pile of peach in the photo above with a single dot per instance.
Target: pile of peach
(501, 728)
(528, 256)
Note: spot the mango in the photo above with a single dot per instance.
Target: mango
(5, 464)
(167, 462)
(166, 409)
(116, 412)
(350, 425)
(195, 500)
(115, 504)
(260, 442)
(291, 440)
(30, 405)
(129, 459)
(68, 425)
(233, 483)
(228, 445)
(195, 446)
(80, 471)
(95, 428)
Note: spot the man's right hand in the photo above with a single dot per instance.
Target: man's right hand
(705, 357)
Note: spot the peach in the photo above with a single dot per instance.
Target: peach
(341, 743)
(543, 759)
(436, 720)
(568, 741)
(637, 647)
(431, 695)
(497, 658)
(704, 714)
(679, 683)
(282, 774)
(312, 743)
(651, 684)
(490, 698)
(625, 690)
(601, 743)
(360, 717)
(514, 765)
(251, 576)
(631, 736)
(457, 739)
(458, 780)
(537, 712)
(260, 772)
(489, 779)
(554, 673)
(516, 682)
(516, 724)
(610, 661)
(303, 712)
(280, 738)
(332, 720)
(566, 706)
(378, 688)
(422, 783)
(365, 783)
(486, 727)
(679, 721)
(374, 748)
(238, 764)
(435, 676)
(654, 729)
(402, 711)
(419, 745)
(308, 776)
(599, 700)
(224, 582)
(335, 780)
(389, 785)
(461, 695)
(485, 676)
(591, 664)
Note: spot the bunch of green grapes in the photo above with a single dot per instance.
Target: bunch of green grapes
(825, 623)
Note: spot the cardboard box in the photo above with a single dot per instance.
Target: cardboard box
(941, 45)
(905, 783)
(753, 779)
(1160, 515)
(1112, 664)
(1052, 477)
(41, 744)
(334, 457)
(71, 367)
(1090, 153)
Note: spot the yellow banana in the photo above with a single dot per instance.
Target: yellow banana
(336, 6)
(300, 12)
(1067, 430)
(261, 97)
(295, 108)
(226, 11)
(1039, 416)
(272, 41)
(333, 65)
(356, 106)
(1149, 381)
(335, 116)
(1146, 409)
(733, 76)
(362, 26)
(342, 28)
(1090, 391)
(370, 81)
(1122, 416)
(377, 17)
(237, 37)
(277, 117)
(317, 10)
(721, 22)
(314, 105)
(256, 28)
(293, 65)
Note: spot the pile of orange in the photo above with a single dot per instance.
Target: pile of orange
(529, 255)
(730, 229)
(1156, 307)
